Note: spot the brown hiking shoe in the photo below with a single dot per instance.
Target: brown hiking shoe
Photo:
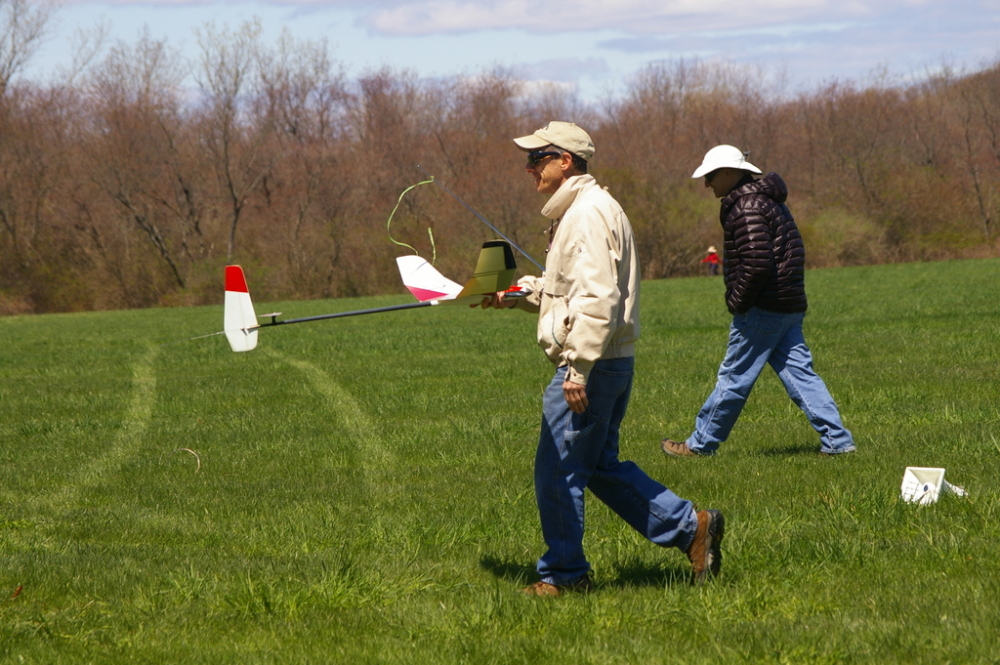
(705, 550)
(677, 449)
(540, 588)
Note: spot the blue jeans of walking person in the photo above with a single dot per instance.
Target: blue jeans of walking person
(577, 451)
(757, 338)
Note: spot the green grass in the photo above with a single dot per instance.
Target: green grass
(364, 494)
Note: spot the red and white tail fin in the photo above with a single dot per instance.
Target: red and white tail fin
(240, 322)
(424, 281)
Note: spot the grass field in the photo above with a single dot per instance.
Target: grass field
(359, 490)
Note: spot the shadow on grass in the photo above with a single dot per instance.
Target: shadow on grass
(509, 571)
(643, 575)
(630, 576)
(800, 449)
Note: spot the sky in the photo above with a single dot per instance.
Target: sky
(591, 47)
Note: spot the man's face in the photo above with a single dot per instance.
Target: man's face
(546, 167)
(722, 181)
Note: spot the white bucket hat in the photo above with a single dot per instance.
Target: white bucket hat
(724, 156)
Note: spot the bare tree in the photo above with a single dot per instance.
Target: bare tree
(23, 26)
(980, 126)
(134, 161)
(303, 99)
(226, 76)
(86, 46)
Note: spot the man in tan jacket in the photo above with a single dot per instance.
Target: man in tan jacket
(587, 302)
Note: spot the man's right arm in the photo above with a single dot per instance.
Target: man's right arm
(533, 301)
(529, 303)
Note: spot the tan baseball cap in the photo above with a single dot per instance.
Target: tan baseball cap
(565, 135)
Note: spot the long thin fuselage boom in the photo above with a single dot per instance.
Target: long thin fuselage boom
(357, 312)
(494, 272)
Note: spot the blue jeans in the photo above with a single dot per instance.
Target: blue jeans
(580, 450)
(757, 338)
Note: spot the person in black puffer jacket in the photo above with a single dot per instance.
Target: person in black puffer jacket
(767, 264)
(764, 268)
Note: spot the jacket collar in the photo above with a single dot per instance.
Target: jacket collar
(770, 185)
(746, 185)
(564, 197)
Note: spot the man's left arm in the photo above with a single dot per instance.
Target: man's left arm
(754, 245)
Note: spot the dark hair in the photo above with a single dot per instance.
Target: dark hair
(579, 163)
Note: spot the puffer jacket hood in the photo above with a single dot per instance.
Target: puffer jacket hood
(772, 186)
(764, 262)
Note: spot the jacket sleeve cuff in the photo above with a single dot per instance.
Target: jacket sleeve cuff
(579, 373)
(533, 301)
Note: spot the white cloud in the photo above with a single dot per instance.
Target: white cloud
(645, 16)
(590, 44)
(436, 17)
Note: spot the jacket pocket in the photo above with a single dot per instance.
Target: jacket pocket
(554, 326)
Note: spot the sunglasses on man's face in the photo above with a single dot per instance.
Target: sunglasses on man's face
(537, 156)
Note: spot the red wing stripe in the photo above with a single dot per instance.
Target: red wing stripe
(425, 294)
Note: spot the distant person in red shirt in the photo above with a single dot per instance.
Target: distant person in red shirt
(713, 261)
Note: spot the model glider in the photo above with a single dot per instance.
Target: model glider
(494, 272)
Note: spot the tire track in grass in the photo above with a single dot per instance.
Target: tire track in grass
(375, 462)
(371, 561)
(126, 443)
(343, 405)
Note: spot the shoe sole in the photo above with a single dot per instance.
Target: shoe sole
(716, 530)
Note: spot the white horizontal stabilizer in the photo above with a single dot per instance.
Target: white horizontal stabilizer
(494, 272)
(424, 281)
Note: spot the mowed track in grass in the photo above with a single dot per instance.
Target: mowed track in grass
(364, 491)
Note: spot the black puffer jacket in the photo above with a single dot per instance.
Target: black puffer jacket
(764, 262)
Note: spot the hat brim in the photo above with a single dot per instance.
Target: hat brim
(705, 169)
(531, 142)
(702, 170)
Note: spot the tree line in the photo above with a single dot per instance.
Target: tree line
(123, 186)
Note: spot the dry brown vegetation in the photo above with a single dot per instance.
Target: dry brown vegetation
(121, 187)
